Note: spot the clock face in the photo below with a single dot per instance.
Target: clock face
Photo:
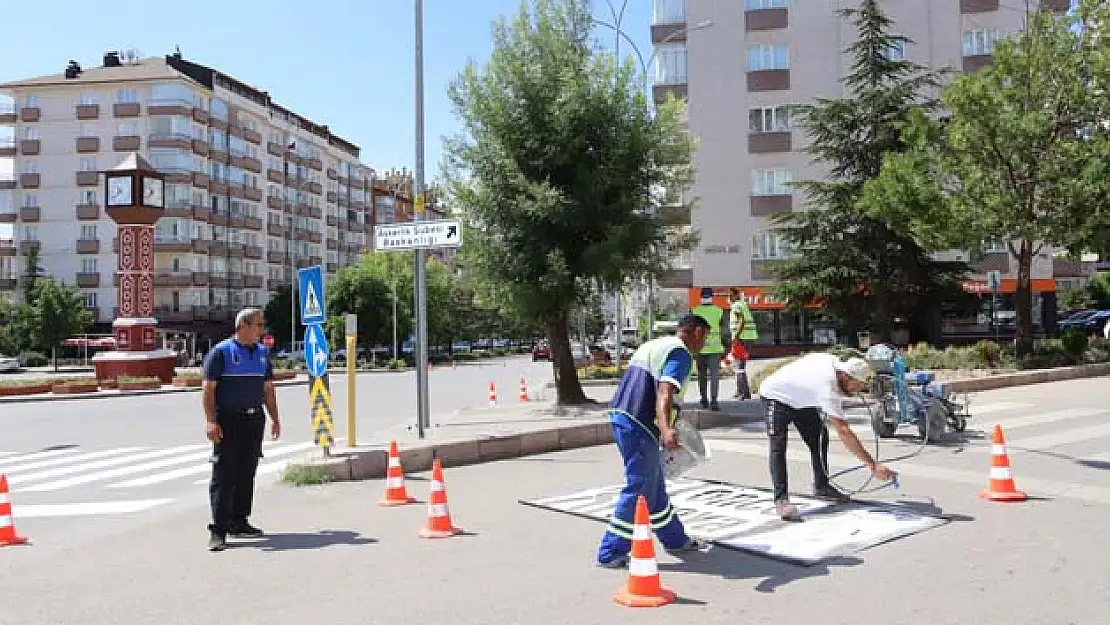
(153, 192)
(119, 191)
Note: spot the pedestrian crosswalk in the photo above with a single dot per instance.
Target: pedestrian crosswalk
(128, 467)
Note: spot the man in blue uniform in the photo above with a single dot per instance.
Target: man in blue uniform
(643, 415)
(238, 380)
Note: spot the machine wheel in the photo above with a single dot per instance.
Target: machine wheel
(879, 423)
(937, 415)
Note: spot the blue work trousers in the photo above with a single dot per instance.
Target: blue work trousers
(643, 474)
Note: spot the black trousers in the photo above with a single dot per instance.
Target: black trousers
(234, 463)
(814, 433)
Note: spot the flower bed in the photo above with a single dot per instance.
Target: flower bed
(139, 384)
(188, 380)
(25, 387)
(109, 384)
(73, 387)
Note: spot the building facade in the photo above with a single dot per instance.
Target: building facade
(254, 190)
(741, 66)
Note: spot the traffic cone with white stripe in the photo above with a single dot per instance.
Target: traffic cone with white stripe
(492, 395)
(644, 589)
(395, 493)
(439, 516)
(8, 535)
(1001, 486)
(524, 389)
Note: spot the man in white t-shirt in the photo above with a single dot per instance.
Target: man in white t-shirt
(800, 393)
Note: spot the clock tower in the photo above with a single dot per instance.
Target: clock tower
(134, 197)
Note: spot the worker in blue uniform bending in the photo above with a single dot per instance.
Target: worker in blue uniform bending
(643, 414)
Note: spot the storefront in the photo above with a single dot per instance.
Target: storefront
(783, 331)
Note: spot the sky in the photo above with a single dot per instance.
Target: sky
(344, 63)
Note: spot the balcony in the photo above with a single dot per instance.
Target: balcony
(7, 249)
(316, 164)
(201, 213)
(769, 142)
(766, 19)
(30, 214)
(761, 205)
(30, 181)
(275, 256)
(88, 280)
(201, 246)
(88, 246)
(200, 147)
(173, 278)
(179, 209)
(218, 187)
(180, 108)
(976, 61)
(172, 244)
(253, 282)
(8, 216)
(30, 147)
(252, 223)
(332, 244)
(7, 115)
(275, 176)
(8, 282)
(253, 194)
(30, 114)
(126, 109)
(253, 136)
(978, 6)
(127, 143)
(87, 111)
(200, 180)
(274, 149)
(88, 212)
(315, 212)
(168, 140)
(253, 252)
(200, 115)
(768, 80)
(275, 230)
(7, 181)
(85, 145)
(88, 179)
(168, 314)
(7, 147)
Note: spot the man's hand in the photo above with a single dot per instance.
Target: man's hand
(882, 472)
(275, 428)
(213, 431)
(669, 438)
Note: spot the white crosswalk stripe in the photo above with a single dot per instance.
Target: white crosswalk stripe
(60, 469)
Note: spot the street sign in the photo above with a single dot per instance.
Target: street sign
(352, 324)
(316, 350)
(268, 341)
(418, 235)
(311, 282)
(418, 204)
(994, 281)
(319, 401)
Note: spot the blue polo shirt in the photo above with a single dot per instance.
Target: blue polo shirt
(240, 372)
(637, 390)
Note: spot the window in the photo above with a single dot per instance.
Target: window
(89, 98)
(32, 102)
(88, 196)
(127, 96)
(88, 163)
(768, 56)
(30, 233)
(670, 64)
(755, 5)
(30, 199)
(771, 182)
(31, 133)
(896, 51)
(90, 299)
(769, 119)
(128, 129)
(31, 167)
(87, 131)
(769, 246)
(670, 11)
(89, 265)
(980, 42)
(88, 232)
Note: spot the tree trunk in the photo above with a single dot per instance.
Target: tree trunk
(568, 390)
(1023, 301)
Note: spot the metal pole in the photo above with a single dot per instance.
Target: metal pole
(289, 251)
(394, 308)
(651, 308)
(620, 330)
(418, 202)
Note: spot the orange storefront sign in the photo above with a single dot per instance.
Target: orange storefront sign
(1009, 285)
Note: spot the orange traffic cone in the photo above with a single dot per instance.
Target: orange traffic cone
(644, 590)
(492, 395)
(1001, 486)
(524, 389)
(395, 493)
(439, 516)
(8, 535)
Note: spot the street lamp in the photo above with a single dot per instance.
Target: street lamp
(644, 69)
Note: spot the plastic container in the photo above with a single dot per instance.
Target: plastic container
(693, 452)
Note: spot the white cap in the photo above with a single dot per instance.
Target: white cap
(856, 368)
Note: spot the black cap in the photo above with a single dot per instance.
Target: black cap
(691, 321)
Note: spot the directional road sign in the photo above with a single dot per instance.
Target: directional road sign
(316, 350)
(311, 282)
(418, 235)
(319, 401)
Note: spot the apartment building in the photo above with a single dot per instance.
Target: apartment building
(741, 65)
(254, 190)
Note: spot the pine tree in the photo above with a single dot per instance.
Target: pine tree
(866, 273)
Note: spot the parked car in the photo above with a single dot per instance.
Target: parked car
(541, 351)
(9, 364)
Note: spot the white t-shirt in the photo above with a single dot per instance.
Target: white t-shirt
(809, 382)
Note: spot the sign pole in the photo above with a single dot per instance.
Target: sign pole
(313, 315)
(422, 418)
(352, 334)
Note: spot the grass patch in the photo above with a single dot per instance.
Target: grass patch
(305, 475)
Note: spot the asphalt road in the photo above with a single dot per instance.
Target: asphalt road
(332, 556)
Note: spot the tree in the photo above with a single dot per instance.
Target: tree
(32, 273)
(867, 272)
(15, 337)
(58, 313)
(277, 314)
(361, 290)
(553, 173)
(1021, 157)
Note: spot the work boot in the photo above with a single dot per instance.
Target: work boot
(216, 542)
(714, 406)
(704, 403)
(692, 544)
(828, 492)
(786, 510)
(618, 562)
(243, 529)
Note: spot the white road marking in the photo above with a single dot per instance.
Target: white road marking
(1054, 439)
(158, 478)
(127, 470)
(1033, 486)
(37, 511)
(1043, 418)
(1097, 458)
(35, 456)
(69, 460)
(100, 464)
(977, 409)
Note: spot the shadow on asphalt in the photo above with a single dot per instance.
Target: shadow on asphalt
(1094, 464)
(315, 540)
(732, 564)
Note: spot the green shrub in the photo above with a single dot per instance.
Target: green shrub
(1074, 342)
(394, 365)
(1098, 350)
(33, 359)
(987, 354)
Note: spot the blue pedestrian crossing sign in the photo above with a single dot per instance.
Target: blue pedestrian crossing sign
(316, 350)
(311, 283)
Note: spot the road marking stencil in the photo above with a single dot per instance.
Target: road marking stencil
(37, 511)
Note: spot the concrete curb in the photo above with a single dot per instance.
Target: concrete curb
(1024, 378)
(45, 397)
(371, 463)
